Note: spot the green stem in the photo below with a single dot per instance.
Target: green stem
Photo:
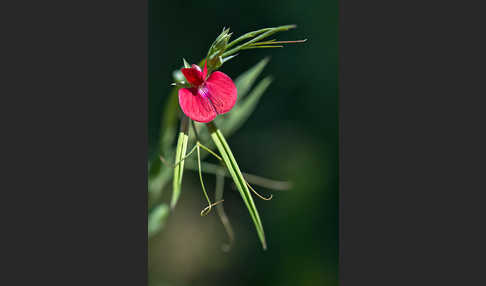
(250, 178)
(238, 179)
(260, 47)
(268, 32)
(180, 156)
(203, 213)
(247, 36)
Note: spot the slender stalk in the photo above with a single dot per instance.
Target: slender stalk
(267, 33)
(180, 155)
(260, 47)
(238, 179)
(195, 131)
(204, 211)
(247, 36)
(280, 42)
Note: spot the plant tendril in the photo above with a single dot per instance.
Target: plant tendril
(202, 183)
(207, 209)
(198, 144)
(258, 195)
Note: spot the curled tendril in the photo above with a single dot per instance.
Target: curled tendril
(207, 209)
(204, 211)
(258, 195)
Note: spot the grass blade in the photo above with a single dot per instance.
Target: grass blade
(247, 36)
(245, 81)
(267, 32)
(261, 47)
(180, 154)
(240, 114)
(238, 179)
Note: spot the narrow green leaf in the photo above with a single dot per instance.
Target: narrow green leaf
(247, 36)
(228, 58)
(246, 80)
(157, 219)
(238, 179)
(265, 42)
(186, 64)
(279, 42)
(258, 32)
(260, 47)
(267, 32)
(240, 114)
(180, 154)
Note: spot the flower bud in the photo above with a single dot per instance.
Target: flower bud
(219, 45)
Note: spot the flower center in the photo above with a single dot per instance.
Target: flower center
(203, 91)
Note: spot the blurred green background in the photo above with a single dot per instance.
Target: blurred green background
(292, 135)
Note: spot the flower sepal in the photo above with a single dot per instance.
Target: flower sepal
(220, 44)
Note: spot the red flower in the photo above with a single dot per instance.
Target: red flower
(208, 96)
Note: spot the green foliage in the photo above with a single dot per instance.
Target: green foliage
(246, 107)
(186, 64)
(180, 156)
(160, 174)
(238, 179)
(257, 36)
(246, 80)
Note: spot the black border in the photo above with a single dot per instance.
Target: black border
(77, 160)
(410, 150)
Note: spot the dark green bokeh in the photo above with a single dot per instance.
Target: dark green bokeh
(293, 134)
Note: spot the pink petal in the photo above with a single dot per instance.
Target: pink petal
(205, 71)
(221, 91)
(196, 67)
(193, 75)
(195, 106)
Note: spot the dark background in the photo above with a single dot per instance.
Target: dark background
(292, 135)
